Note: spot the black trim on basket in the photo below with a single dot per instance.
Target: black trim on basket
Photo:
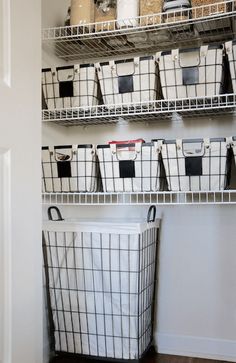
(44, 70)
(187, 50)
(120, 61)
(81, 146)
(64, 67)
(124, 145)
(185, 141)
(45, 148)
(234, 137)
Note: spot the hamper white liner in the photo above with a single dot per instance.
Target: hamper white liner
(70, 86)
(129, 81)
(111, 242)
(230, 48)
(195, 72)
(144, 158)
(209, 173)
(82, 175)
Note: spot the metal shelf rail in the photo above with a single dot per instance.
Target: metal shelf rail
(142, 198)
(161, 31)
(144, 111)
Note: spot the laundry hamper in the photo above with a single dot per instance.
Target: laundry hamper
(128, 81)
(206, 8)
(196, 164)
(100, 278)
(195, 72)
(132, 166)
(69, 168)
(70, 86)
(230, 48)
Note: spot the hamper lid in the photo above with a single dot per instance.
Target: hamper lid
(106, 226)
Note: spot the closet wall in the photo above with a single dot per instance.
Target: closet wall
(196, 309)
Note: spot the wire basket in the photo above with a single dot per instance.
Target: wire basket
(100, 279)
(197, 164)
(230, 48)
(70, 168)
(187, 73)
(131, 167)
(129, 81)
(70, 86)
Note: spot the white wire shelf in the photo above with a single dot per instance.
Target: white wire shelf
(145, 34)
(144, 111)
(159, 198)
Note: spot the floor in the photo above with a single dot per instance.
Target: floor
(152, 357)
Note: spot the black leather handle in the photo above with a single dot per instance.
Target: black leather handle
(59, 216)
(151, 214)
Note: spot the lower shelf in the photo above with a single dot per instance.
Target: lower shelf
(143, 111)
(126, 198)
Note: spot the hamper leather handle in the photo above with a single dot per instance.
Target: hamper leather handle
(59, 216)
(151, 214)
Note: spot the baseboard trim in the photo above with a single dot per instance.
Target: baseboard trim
(198, 347)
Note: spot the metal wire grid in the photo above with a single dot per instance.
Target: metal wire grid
(129, 81)
(160, 198)
(66, 169)
(70, 86)
(143, 111)
(101, 292)
(180, 79)
(197, 164)
(130, 168)
(179, 28)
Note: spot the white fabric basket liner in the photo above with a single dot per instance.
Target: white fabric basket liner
(230, 48)
(109, 313)
(213, 154)
(100, 226)
(82, 175)
(83, 92)
(146, 164)
(196, 72)
(142, 82)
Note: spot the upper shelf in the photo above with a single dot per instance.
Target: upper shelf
(181, 28)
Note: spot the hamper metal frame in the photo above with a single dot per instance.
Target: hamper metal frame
(145, 296)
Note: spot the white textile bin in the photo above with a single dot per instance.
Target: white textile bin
(70, 86)
(129, 81)
(101, 281)
(132, 167)
(196, 165)
(69, 168)
(196, 72)
(230, 48)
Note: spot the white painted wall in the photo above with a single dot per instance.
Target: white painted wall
(20, 139)
(196, 313)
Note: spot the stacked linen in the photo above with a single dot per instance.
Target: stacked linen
(101, 283)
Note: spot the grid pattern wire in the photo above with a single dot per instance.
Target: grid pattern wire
(225, 197)
(141, 112)
(150, 34)
(113, 318)
(66, 169)
(197, 164)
